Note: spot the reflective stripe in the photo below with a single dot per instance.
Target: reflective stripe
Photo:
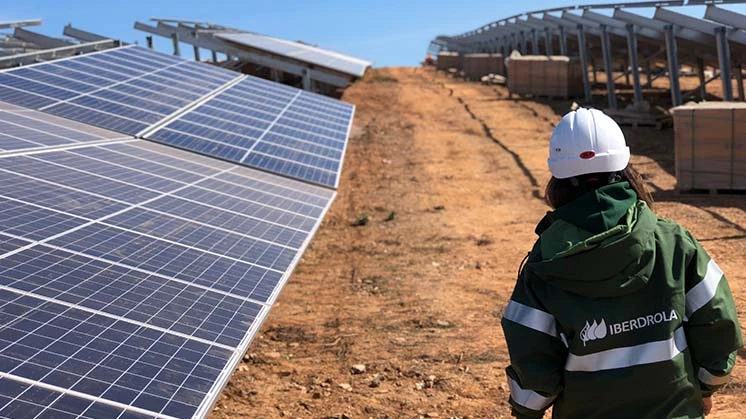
(712, 380)
(646, 353)
(528, 398)
(531, 317)
(703, 292)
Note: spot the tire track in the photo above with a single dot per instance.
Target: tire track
(516, 157)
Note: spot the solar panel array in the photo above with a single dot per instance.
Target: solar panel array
(133, 275)
(267, 126)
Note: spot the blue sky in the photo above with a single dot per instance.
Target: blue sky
(387, 32)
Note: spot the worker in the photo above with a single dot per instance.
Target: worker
(616, 313)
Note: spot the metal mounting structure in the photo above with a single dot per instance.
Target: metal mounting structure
(620, 39)
(310, 63)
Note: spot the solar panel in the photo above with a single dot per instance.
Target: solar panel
(125, 89)
(133, 275)
(267, 126)
(299, 51)
(26, 130)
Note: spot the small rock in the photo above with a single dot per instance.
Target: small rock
(431, 415)
(273, 355)
(419, 385)
(376, 381)
(358, 369)
(436, 264)
(316, 395)
(442, 323)
(345, 386)
(294, 344)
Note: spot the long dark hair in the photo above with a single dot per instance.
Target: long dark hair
(561, 191)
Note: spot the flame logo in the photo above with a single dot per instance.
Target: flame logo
(593, 331)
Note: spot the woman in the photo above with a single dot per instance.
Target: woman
(616, 313)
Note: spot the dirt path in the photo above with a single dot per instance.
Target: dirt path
(448, 176)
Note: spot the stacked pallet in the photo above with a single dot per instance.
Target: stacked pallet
(710, 146)
(477, 66)
(554, 76)
(448, 60)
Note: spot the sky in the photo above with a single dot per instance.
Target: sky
(386, 32)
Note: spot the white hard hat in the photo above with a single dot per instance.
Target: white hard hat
(587, 141)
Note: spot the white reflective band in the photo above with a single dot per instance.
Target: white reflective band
(646, 353)
(703, 292)
(712, 380)
(531, 317)
(528, 398)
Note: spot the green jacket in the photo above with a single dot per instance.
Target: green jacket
(617, 314)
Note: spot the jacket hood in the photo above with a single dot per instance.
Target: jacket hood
(599, 245)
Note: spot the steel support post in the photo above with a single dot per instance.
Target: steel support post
(196, 54)
(673, 65)
(524, 43)
(701, 75)
(633, 61)
(534, 42)
(548, 41)
(608, 66)
(306, 79)
(149, 41)
(175, 39)
(648, 75)
(721, 35)
(583, 51)
(214, 57)
(739, 79)
(562, 41)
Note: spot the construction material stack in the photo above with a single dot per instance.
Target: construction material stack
(554, 76)
(710, 146)
(448, 60)
(477, 66)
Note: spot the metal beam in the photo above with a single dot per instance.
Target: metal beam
(673, 65)
(33, 57)
(268, 61)
(81, 35)
(38, 39)
(20, 23)
(739, 79)
(695, 24)
(608, 66)
(701, 76)
(563, 41)
(583, 52)
(724, 58)
(633, 62)
(548, 41)
(534, 42)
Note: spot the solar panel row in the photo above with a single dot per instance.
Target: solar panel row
(136, 273)
(253, 122)
(133, 276)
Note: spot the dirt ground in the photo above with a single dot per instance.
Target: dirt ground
(399, 317)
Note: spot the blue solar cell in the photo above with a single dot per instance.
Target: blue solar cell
(44, 130)
(7, 79)
(33, 73)
(33, 223)
(243, 105)
(186, 162)
(254, 200)
(187, 77)
(326, 132)
(307, 137)
(291, 169)
(248, 127)
(23, 98)
(9, 244)
(132, 68)
(268, 149)
(103, 357)
(62, 177)
(69, 73)
(156, 301)
(314, 198)
(104, 118)
(151, 95)
(132, 101)
(261, 120)
(87, 66)
(192, 143)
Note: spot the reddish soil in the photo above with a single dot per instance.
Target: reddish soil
(450, 176)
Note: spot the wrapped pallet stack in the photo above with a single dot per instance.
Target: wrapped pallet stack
(448, 60)
(538, 75)
(710, 145)
(478, 65)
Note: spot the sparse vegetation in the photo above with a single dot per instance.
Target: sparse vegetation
(361, 220)
(383, 79)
